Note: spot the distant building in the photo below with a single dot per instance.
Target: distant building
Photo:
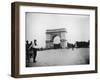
(56, 36)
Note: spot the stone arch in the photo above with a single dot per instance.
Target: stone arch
(52, 33)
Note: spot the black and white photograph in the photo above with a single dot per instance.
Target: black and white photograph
(52, 39)
(57, 39)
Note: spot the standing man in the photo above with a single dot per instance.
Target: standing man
(35, 50)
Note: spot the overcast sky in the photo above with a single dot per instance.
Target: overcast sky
(77, 26)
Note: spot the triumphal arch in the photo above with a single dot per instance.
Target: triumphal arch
(51, 34)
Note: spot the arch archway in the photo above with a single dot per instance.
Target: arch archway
(59, 35)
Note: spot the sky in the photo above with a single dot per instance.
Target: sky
(77, 26)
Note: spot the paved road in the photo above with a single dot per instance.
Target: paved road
(58, 57)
